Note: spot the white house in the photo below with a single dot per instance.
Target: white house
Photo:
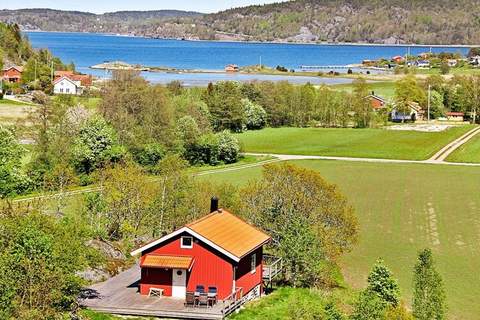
(65, 85)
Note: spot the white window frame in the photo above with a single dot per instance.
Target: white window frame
(253, 263)
(185, 246)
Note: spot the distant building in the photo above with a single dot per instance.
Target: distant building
(414, 113)
(398, 59)
(12, 74)
(65, 85)
(377, 102)
(232, 68)
(452, 62)
(475, 60)
(422, 64)
(455, 116)
(85, 79)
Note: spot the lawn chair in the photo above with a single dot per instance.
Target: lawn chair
(199, 290)
(212, 295)
(202, 300)
(190, 300)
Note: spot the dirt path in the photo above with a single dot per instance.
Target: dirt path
(98, 188)
(438, 159)
(441, 155)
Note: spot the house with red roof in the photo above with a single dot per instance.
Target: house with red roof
(12, 74)
(68, 82)
(219, 253)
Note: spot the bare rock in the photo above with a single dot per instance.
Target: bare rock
(107, 249)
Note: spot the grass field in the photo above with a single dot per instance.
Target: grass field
(361, 143)
(385, 89)
(403, 208)
(13, 103)
(469, 152)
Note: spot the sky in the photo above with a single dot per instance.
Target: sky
(101, 6)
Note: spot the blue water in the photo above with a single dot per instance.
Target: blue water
(86, 49)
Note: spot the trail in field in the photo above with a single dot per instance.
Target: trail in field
(441, 155)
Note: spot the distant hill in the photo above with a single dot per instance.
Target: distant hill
(125, 22)
(366, 21)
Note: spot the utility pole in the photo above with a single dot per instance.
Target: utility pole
(35, 73)
(260, 62)
(429, 96)
(51, 72)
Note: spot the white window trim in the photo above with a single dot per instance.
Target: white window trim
(253, 263)
(184, 246)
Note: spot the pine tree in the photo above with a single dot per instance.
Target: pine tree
(382, 283)
(428, 292)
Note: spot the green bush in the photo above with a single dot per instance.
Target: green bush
(255, 115)
(228, 147)
(148, 155)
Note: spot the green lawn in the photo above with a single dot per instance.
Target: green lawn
(469, 152)
(362, 143)
(403, 208)
(385, 89)
(13, 103)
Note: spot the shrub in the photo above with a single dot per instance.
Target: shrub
(369, 306)
(148, 155)
(228, 147)
(382, 283)
(255, 115)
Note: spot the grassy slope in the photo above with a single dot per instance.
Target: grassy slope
(279, 304)
(362, 143)
(469, 152)
(403, 208)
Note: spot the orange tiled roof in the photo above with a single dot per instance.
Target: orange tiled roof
(229, 232)
(171, 262)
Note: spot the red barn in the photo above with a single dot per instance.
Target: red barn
(219, 250)
(12, 74)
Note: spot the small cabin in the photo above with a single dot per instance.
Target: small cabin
(219, 252)
(455, 116)
(12, 74)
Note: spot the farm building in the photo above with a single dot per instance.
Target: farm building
(219, 252)
(12, 74)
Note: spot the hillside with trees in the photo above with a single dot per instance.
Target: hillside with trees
(387, 22)
(73, 21)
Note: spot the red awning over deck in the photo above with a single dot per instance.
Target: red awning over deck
(163, 261)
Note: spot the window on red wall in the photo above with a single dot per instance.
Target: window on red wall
(186, 242)
(253, 263)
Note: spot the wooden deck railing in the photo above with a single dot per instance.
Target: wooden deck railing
(233, 301)
(271, 268)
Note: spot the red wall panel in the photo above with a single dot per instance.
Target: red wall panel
(243, 275)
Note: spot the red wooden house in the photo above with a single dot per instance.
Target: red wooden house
(377, 102)
(219, 250)
(12, 74)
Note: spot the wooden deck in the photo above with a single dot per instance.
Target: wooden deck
(119, 295)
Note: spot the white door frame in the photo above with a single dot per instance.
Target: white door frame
(179, 283)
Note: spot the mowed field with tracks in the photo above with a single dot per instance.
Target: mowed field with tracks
(361, 143)
(403, 208)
